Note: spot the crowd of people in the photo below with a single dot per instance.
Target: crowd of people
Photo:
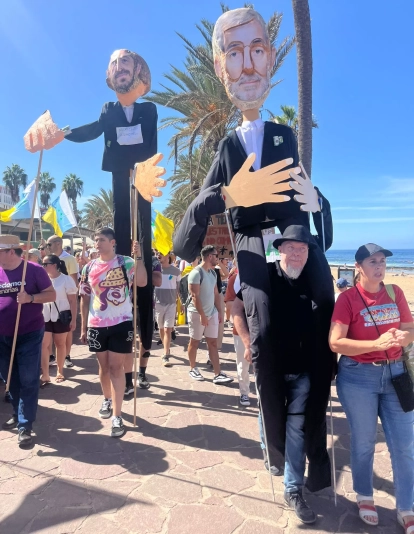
(370, 326)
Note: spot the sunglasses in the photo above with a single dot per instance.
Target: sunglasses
(47, 263)
(40, 248)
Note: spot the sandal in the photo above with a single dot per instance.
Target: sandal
(409, 525)
(60, 378)
(44, 383)
(367, 510)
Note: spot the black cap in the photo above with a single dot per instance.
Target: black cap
(365, 251)
(296, 232)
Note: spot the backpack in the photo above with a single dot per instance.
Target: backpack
(183, 291)
(121, 262)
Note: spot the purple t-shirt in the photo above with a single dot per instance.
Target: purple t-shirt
(31, 315)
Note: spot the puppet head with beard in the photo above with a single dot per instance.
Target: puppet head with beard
(128, 75)
(243, 57)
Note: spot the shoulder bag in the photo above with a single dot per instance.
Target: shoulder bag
(402, 383)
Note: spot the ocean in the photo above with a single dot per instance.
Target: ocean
(402, 259)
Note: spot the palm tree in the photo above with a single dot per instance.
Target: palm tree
(73, 186)
(99, 211)
(206, 113)
(183, 189)
(289, 117)
(46, 187)
(304, 61)
(13, 178)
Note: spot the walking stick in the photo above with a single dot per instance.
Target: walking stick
(330, 393)
(19, 305)
(255, 382)
(134, 209)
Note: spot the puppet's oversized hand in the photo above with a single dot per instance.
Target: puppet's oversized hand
(308, 196)
(43, 134)
(252, 188)
(147, 177)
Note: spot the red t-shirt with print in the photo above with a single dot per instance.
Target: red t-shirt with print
(351, 311)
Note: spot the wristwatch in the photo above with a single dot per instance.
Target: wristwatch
(32, 297)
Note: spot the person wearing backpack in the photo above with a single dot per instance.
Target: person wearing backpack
(106, 312)
(204, 314)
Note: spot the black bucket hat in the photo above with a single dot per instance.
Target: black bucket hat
(365, 251)
(296, 232)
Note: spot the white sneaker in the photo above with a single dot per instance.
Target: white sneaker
(196, 375)
(222, 378)
(244, 400)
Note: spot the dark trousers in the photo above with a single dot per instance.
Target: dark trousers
(122, 225)
(24, 383)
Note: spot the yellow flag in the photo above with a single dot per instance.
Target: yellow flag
(51, 218)
(6, 216)
(163, 232)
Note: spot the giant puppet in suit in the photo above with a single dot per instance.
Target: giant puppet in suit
(247, 178)
(130, 136)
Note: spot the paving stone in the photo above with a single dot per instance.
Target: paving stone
(109, 495)
(102, 525)
(24, 485)
(225, 480)
(198, 459)
(18, 513)
(6, 472)
(141, 516)
(11, 452)
(253, 527)
(59, 520)
(176, 488)
(204, 520)
(258, 505)
(36, 464)
(86, 466)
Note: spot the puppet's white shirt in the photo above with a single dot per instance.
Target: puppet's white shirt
(129, 111)
(251, 136)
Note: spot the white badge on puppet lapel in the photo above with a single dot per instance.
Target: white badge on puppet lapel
(129, 135)
(277, 140)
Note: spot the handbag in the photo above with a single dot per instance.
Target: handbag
(402, 383)
(65, 316)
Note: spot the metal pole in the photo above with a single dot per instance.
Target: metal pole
(19, 306)
(330, 394)
(255, 382)
(134, 210)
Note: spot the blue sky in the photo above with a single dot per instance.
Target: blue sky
(54, 56)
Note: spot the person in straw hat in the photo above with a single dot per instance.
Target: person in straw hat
(38, 290)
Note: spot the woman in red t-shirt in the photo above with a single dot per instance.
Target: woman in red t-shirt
(370, 357)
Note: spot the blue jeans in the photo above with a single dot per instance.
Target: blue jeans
(366, 392)
(24, 383)
(297, 392)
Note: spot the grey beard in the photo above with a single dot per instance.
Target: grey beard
(292, 272)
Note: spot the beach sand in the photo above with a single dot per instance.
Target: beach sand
(406, 283)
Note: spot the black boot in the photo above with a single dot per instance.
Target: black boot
(296, 502)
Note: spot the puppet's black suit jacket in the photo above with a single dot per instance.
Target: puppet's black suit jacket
(118, 157)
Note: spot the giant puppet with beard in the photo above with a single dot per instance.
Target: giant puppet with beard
(130, 135)
(255, 175)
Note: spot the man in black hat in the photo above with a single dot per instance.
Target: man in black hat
(294, 371)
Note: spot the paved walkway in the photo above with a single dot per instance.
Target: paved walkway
(192, 466)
